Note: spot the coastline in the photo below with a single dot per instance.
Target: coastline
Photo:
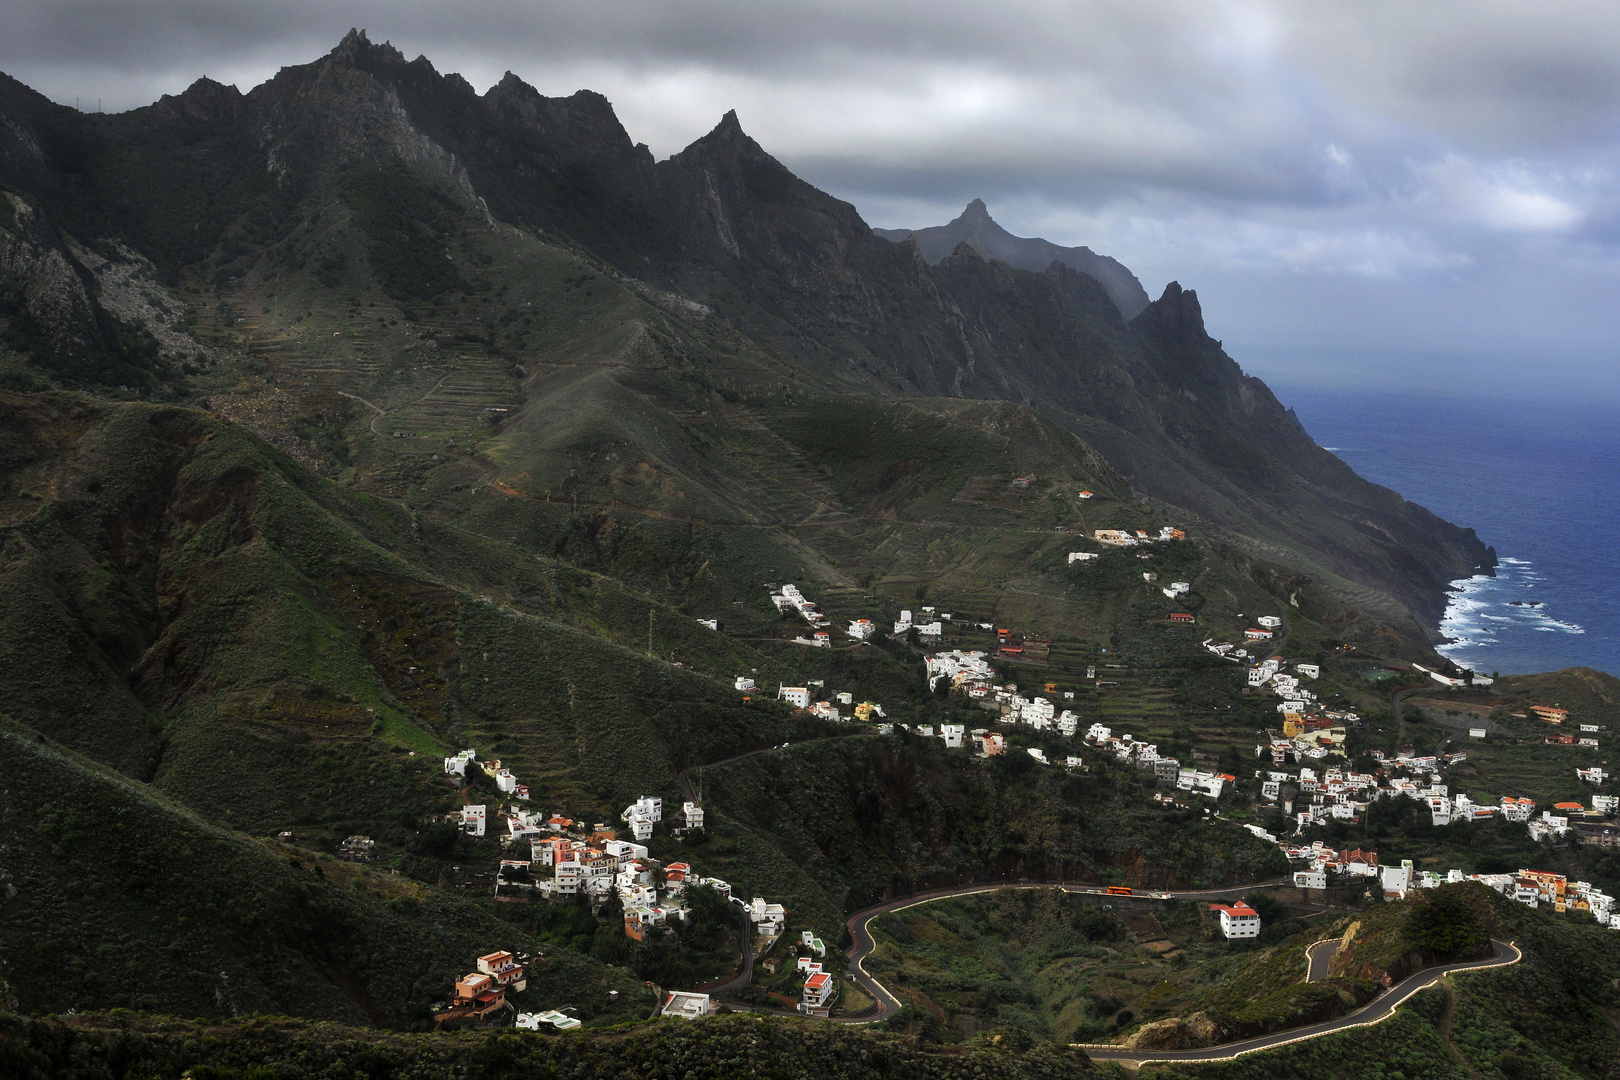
(1490, 619)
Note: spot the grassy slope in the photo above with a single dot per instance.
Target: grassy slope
(280, 651)
(1549, 1016)
(125, 899)
(841, 824)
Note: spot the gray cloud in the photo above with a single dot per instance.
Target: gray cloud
(1387, 177)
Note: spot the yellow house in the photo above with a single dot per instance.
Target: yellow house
(1293, 725)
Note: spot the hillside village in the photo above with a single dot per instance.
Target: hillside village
(1303, 776)
(590, 862)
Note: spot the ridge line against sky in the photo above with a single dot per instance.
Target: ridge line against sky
(1424, 197)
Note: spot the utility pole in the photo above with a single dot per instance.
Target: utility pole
(649, 631)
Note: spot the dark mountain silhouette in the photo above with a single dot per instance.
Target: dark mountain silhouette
(975, 227)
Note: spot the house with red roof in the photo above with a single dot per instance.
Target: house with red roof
(1238, 920)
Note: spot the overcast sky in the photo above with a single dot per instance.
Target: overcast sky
(1408, 194)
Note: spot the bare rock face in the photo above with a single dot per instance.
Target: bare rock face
(1204, 1030)
(38, 278)
(1175, 1033)
(1171, 1034)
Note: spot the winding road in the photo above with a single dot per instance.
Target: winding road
(1380, 1008)
(1319, 958)
(1319, 954)
(864, 943)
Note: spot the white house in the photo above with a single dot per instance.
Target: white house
(797, 696)
(1081, 556)
(819, 991)
(650, 807)
(1398, 880)
(1270, 622)
(952, 734)
(712, 624)
(861, 629)
(744, 683)
(472, 819)
(457, 766)
(1310, 879)
(1309, 671)
(694, 815)
(686, 1005)
(1237, 920)
(769, 918)
(624, 852)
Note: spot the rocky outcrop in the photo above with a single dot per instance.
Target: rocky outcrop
(1175, 1033)
(41, 284)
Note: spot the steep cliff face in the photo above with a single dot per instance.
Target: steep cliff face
(220, 185)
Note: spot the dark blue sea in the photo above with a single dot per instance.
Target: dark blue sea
(1539, 481)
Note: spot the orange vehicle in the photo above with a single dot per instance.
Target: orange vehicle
(1118, 890)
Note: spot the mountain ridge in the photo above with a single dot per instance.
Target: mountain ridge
(362, 418)
(724, 226)
(975, 226)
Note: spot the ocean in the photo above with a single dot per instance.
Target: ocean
(1538, 481)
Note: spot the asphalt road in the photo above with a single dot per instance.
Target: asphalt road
(1318, 958)
(1320, 955)
(1380, 1008)
(746, 974)
(864, 943)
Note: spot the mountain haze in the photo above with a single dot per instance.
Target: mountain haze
(975, 227)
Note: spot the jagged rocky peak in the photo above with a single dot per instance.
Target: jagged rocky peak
(356, 49)
(584, 117)
(204, 99)
(1175, 317)
(729, 132)
(975, 226)
(976, 213)
(728, 142)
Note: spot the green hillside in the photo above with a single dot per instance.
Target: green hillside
(360, 419)
(118, 897)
